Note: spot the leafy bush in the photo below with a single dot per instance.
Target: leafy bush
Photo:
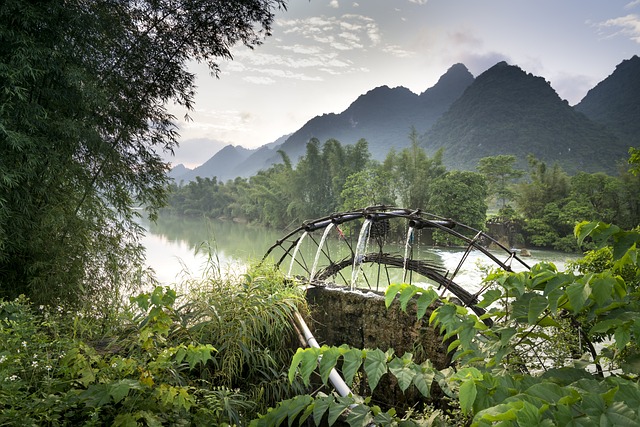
(553, 348)
(172, 361)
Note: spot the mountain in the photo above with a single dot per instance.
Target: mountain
(177, 171)
(223, 165)
(383, 116)
(614, 101)
(508, 111)
(503, 111)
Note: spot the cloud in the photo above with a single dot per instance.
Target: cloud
(418, 1)
(632, 4)
(334, 4)
(259, 80)
(309, 48)
(628, 25)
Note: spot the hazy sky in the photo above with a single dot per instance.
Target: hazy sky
(323, 54)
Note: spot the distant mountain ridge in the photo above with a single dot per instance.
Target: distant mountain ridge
(509, 111)
(502, 111)
(614, 101)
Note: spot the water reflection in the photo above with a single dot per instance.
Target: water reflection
(172, 244)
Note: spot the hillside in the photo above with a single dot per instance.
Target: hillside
(507, 111)
(223, 165)
(614, 101)
(503, 111)
(383, 116)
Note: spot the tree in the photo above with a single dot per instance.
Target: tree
(459, 195)
(499, 173)
(413, 171)
(83, 94)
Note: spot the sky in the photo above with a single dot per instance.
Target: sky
(323, 54)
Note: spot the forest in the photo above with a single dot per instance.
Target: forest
(540, 206)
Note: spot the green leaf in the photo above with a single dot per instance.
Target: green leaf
(352, 360)
(199, 354)
(390, 293)
(605, 326)
(489, 297)
(307, 360)
(423, 378)
(425, 300)
(320, 406)
(624, 241)
(375, 366)
(120, 389)
(578, 294)
(403, 370)
(337, 407)
(296, 405)
(468, 392)
(537, 305)
(405, 296)
(528, 415)
(622, 336)
(359, 416)
(601, 290)
(328, 362)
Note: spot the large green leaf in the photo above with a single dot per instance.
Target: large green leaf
(352, 360)
(425, 300)
(467, 395)
(406, 294)
(375, 366)
(328, 362)
(320, 407)
(337, 407)
(391, 292)
(359, 416)
(403, 370)
(423, 377)
(578, 294)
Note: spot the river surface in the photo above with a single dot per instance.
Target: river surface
(183, 247)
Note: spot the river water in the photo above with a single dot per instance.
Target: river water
(182, 247)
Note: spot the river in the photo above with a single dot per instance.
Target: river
(181, 247)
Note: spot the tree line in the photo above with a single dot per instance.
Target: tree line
(541, 205)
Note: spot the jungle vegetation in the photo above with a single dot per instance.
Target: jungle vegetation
(542, 203)
(84, 89)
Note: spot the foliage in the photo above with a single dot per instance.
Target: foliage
(169, 362)
(553, 348)
(83, 94)
(499, 172)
